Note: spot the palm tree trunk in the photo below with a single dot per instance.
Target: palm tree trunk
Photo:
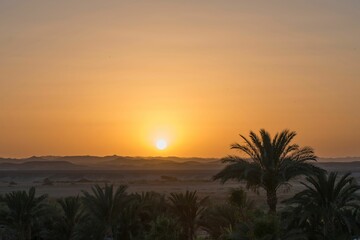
(192, 233)
(22, 232)
(329, 228)
(189, 231)
(109, 233)
(28, 232)
(271, 201)
(22, 235)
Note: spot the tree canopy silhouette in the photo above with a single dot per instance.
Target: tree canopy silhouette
(268, 163)
(327, 208)
(105, 205)
(23, 210)
(188, 208)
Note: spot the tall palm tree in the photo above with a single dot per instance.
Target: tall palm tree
(327, 207)
(72, 217)
(23, 209)
(268, 163)
(188, 208)
(105, 205)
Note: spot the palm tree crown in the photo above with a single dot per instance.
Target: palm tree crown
(72, 216)
(327, 207)
(188, 208)
(23, 209)
(105, 205)
(269, 163)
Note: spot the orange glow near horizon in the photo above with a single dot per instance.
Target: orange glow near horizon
(103, 78)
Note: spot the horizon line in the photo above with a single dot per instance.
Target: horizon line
(137, 156)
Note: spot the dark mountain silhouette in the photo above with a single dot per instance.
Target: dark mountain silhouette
(41, 165)
(115, 162)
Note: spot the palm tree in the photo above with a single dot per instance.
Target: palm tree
(130, 221)
(71, 218)
(327, 208)
(105, 205)
(140, 214)
(239, 198)
(188, 209)
(269, 163)
(163, 228)
(152, 205)
(22, 211)
(220, 221)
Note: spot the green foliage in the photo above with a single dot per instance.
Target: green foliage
(163, 228)
(238, 198)
(219, 221)
(327, 208)
(72, 216)
(104, 206)
(266, 227)
(258, 226)
(141, 209)
(23, 210)
(188, 208)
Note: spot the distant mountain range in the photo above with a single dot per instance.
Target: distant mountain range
(151, 163)
(106, 163)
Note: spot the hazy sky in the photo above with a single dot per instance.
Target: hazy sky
(110, 77)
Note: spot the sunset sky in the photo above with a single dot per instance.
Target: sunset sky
(112, 77)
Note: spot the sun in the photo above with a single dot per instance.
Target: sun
(161, 144)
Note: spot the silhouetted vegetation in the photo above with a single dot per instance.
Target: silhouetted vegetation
(269, 163)
(327, 207)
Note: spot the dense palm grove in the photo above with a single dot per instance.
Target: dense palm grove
(327, 208)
